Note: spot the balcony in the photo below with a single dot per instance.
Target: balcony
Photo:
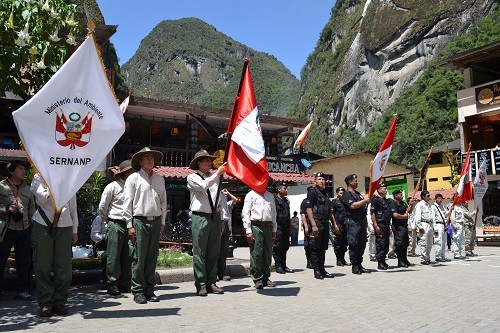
(173, 157)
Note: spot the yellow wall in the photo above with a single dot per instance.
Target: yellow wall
(439, 171)
(358, 164)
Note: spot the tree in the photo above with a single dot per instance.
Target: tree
(34, 40)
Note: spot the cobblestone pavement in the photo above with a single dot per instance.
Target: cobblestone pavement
(459, 296)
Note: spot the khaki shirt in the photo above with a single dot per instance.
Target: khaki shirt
(258, 208)
(69, 215)
(144, 196)
(198, 191)
(423, 213)
(111, 205)
(22, 197)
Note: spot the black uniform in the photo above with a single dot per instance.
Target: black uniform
(356, 227)
(400, 231)
(307, 248)
(340, 240)
(282, 242)
(380, 207)
(318, 201)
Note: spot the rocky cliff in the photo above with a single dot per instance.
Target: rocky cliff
(368, 52)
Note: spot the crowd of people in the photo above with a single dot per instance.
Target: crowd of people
(132, 215)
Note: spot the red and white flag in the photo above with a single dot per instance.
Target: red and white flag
(301, 138)
(382, 157)
(464, 189)
(71, 124)
(124, 105)
(246, 159)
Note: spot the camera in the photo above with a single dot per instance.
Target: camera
(17, 216)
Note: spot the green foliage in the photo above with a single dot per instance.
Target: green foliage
(34, 39)
(89, 195)
(174, 257)
(188, 60)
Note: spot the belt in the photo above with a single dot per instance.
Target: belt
(202, 214)
(149, 218)
(263, 223)
(439, 222)
(426, 221)
(118, 221)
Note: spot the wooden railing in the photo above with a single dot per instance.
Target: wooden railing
(173, 157)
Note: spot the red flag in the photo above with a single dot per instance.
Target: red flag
(246, 159)
(380, 161)
(464, 190)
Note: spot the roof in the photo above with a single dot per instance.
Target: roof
(12, 154)
(484, 58)
(447, 193)
(448, 146)
(399, 174)
(183, 172)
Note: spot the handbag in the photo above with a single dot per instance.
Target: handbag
(4, 225)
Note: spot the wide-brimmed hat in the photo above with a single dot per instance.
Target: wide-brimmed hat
(124, 166)
(158, 155)
(198, 157)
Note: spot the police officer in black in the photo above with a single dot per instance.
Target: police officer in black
(340, 240)
(400, 212)
(306, 226)
(282, 241)
(319, 213)
(381, 217)
(355, 205)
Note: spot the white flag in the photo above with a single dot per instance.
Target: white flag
(71, 124)
(480, 183)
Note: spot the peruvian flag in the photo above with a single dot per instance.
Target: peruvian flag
(464, 190)
(246, 159)
(382, 157)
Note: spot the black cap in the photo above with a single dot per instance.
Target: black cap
(280, 184)
(396, 192)
(339, 189)
(319, 175)
(381, 185)
(350, 178)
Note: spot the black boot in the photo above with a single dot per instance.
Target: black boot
(322, 266)
(381, 266)
(340, 263)
(283, 262)
(356, 270)
(363, 270)
(402, 264)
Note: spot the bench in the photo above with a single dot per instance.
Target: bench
(491, 234)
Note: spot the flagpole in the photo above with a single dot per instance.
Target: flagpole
(231, 122)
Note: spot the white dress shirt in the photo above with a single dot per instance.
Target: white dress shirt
(111, 204)
(258, 208)
(198, 191)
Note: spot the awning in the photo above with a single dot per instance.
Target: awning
(183, 172)
(12, 154)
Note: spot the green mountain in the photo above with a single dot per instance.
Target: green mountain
(188, 60)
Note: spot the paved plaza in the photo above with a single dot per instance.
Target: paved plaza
(458, 296)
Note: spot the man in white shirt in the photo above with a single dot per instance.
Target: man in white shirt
(207, 225)
(458, 219)
(227, 208)
(259, 221)
(118, 262)
(144, 211)
(439, 212)
(424, 219)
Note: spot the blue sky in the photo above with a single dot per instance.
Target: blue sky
(286, 29)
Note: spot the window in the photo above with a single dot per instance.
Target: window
(433, 179)
(436, 159)
(446, 178)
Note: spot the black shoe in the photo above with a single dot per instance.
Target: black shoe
(409, 264)
(327, 275)
(363, 270)
(340, 263)
(355, 270)
(318, 275)
(114, 291)
(153, 298)
(140, 299)
(402, 264)
(346, 263)
(381, 266)
(309, 265)
(425, 262)
(288, 270)
(280, 270)
(258, 285)
(386, 266)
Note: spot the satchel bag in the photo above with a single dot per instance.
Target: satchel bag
(4, 225)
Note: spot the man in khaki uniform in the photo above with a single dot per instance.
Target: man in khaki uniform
(145, 211)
